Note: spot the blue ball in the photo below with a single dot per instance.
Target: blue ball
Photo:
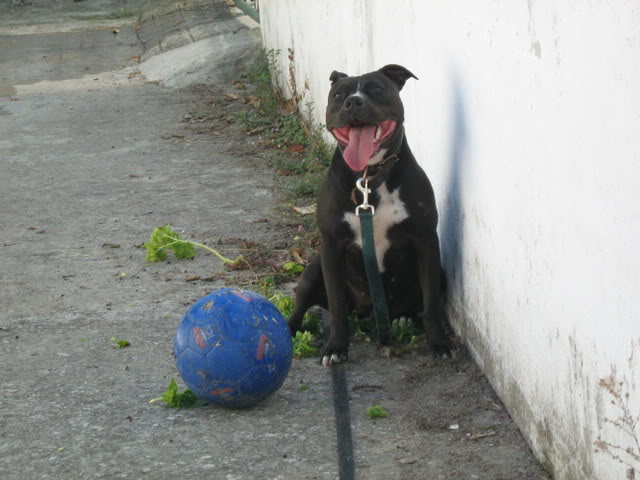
(233, 348)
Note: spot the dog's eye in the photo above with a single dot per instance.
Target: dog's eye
(377, 89)
(338, 95)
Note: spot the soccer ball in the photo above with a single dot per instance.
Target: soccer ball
(233, 348)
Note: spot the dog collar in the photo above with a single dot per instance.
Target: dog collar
(375, 175)
(378, 173)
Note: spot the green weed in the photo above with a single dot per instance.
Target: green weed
(285, 303)
(362, 327)
(303, 154)
(292, 268)
(402, 329)
(176, 399)
(312, 320)
(288, 129)
(165, 238)
(376, 411)
(306, 185)
(119, 343)
(302, 345)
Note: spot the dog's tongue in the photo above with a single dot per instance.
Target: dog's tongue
(360, 148)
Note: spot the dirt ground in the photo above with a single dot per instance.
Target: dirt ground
(93, 157)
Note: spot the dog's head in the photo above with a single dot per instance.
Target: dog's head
(365, 113)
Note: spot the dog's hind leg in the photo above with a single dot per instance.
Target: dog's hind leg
(431, 276)
(309, 292)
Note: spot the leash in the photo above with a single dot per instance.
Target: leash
(346, 467)
(366, 212)
(344, 438)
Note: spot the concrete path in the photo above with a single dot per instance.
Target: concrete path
(93, 156)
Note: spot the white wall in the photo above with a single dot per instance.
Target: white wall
(526, 118)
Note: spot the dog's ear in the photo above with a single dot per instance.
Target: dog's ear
(397, 74)
(335, 76)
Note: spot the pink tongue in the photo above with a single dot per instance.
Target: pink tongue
(360, 148)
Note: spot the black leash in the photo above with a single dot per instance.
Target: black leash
(365, 212)
(342, 411)
(343, 423)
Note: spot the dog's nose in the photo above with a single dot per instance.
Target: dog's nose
(353, 101)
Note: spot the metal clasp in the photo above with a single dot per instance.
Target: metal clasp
(365, 196)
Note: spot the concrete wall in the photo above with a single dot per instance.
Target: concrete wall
(526, 117)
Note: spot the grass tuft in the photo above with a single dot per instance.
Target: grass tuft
(376, 411)
(307, 154)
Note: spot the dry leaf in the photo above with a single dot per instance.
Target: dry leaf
(252, 100)
(296, 254)
(258, 130)
(296, 148)
(306, 210)
(289, 107)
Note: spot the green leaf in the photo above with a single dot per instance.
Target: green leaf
(284, 303)
(120, 343)
(163, 239)
(403, 328)
(376, 411)
(176, 399)
(170, 397)
(302, 345)
(292, 267)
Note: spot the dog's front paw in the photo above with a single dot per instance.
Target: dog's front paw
(334, 353)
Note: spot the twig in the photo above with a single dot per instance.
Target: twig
(202, 245)
(626, 422)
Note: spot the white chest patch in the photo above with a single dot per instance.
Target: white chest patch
(389, 212)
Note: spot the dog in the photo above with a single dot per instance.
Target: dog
(365, 115)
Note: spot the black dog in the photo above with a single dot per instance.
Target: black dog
(365, 115)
